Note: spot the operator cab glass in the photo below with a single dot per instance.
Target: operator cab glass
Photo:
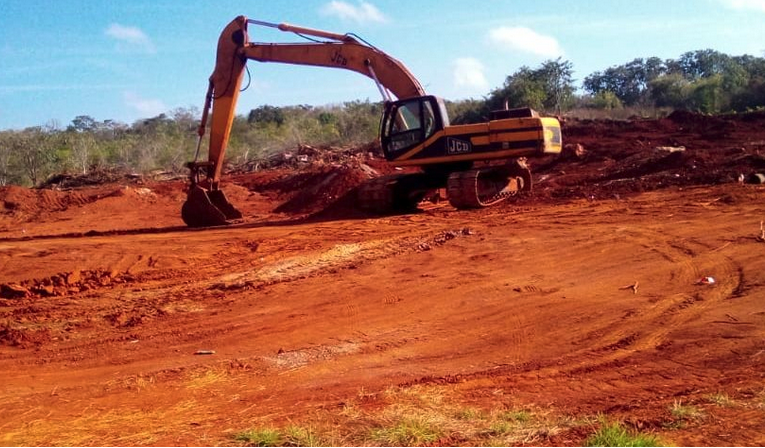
(408, 123)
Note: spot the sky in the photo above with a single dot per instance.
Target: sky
(128, 60)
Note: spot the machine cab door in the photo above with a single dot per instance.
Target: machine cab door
(408, 123)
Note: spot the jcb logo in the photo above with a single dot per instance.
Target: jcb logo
(339, 59)
(454, 146)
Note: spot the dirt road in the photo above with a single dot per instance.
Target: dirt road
(119, 326)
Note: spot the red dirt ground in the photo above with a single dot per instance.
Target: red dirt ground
(307, 304)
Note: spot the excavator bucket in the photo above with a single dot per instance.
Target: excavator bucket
(207, 208)
(219, 200)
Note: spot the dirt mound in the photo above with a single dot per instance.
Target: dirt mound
(310, 155)
(20, 199)
(24, 338)
(98, 176)
(317, 189)
(31, 204)
(687, 117)
(684, 149)
(308, 189)
(62, 284)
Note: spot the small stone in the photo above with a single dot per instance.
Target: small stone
(13, 291)
(73, 277)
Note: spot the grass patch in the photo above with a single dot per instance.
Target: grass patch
(260, 437)
(521, 416)
(418, 415)
(470, 414)
(124, 426)
(420, 396)
(685, 412)
(292, 435)
(300, 436)
(351, 411)
(407, 432)
(721, 399)
(614, 434)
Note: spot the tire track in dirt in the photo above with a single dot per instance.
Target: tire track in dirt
(638, 333)
(159, 295)
(646, 329)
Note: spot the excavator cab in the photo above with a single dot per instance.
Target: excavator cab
(410, 122)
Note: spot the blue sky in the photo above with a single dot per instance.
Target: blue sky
(126, 60)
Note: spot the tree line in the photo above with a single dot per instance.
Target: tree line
(705, 81)
(168, 141)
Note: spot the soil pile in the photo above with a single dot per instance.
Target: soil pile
(684, 149)
(106, 175)
(305, 155)
(307, 189)
(97, 176)
(320, 189)
(62, 284)
(19, 199)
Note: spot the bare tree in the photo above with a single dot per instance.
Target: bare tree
(83, 145)
(36, 149)
(6, 150)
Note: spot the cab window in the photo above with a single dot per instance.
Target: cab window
(408, 124)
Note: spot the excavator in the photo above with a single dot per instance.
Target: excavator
(476, 165)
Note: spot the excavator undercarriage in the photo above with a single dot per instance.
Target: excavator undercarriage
(465, 189)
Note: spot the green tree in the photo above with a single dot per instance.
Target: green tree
(547, 88)
(359, 121)
(83, 123)
(556, 77)
(266, 114)
(703, 63)
(670, 90)
(467, 111)
(629, 82)
(707, 94)
(606, 100)
(752, 97)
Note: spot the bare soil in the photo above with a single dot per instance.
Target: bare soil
(120, 326)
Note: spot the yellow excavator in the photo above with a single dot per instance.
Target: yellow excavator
(477, 165)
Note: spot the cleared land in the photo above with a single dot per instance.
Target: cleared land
(535, 322)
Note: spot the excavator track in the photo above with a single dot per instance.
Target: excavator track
(484, 187)
(395, 193)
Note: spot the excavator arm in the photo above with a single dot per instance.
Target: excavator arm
(206, 204)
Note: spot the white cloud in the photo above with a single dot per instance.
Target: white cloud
(130, 37)
(469, 75)
(362, 13)
(757, 5)
(146, 107)
(518, 38)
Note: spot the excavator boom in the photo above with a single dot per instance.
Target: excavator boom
(206, 204)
